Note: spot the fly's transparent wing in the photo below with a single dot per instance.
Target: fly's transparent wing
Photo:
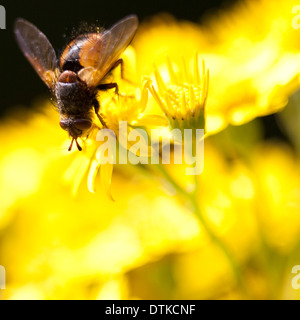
(100, 53)
(38, 50)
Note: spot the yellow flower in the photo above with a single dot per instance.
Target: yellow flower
(277, 177)
(22, 163)
(254, 67)
(183, 97)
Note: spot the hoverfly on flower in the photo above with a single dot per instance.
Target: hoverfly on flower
(76, 77)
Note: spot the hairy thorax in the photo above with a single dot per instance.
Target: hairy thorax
(72, 95)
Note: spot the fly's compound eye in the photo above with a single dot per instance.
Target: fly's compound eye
(64, 125)
(82, 124)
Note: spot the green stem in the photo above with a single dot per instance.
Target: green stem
(193, 200)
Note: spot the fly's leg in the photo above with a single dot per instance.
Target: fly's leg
(106, 86)
(97, 107)
(121, 63)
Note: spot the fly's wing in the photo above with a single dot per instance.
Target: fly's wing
(100, 53)
(38, 50)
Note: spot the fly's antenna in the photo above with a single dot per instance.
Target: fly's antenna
(70, 147)
(77, 144)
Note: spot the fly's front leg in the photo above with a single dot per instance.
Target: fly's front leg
(106, 86)
(97, 107)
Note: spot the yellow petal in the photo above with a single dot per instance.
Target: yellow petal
(78, 177)
(144, 94)
(152, 120)
(92, 175)
(106, 171)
